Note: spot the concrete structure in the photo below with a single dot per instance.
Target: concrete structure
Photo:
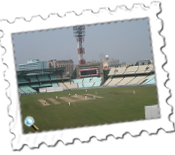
(68, 64)
(52, 63)
(32, 65)
(144, 62)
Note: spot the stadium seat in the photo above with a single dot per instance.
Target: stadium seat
(33, 78)
(46, 84)
(34, 85)
(43, 77)
(21, 80)
(80, 85)
(71, 85)
(150, 80)
(97, 84)
(27, 89)
(53, 77)
(78, 80)
(88, 84)
(54, 84)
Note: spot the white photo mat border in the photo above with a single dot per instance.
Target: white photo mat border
(138, 11)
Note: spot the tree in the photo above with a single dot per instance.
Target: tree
(143, 63)
(74, 74)
(105, 73)
(137, 63)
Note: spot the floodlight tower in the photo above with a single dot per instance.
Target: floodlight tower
(79, 33)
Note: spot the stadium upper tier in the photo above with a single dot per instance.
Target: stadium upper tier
(131, 70)
(33, 78)
(22, 80)
(43, 78)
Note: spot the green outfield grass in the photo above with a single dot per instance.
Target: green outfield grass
(117, 105)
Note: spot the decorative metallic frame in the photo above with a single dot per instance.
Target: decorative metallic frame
(161, 141)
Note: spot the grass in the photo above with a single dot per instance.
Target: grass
(117, 105)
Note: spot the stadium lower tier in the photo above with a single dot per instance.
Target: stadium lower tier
(26, 89)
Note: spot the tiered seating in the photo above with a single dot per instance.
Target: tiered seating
(20, 91)
(111, 72)
(21, 80)
(125, 80)
(107, 81)
(58, 77)
(80, 85)
(131, 70)
(149, 69)
(78, 80)
(34, 85)
(46, 84)
(33, 78)
(119, 70)
(136, 80)
(88, 84)
(142, 69)
(54, 84)
(115, 81)
(71, 86)
(62, 85)
(27, 89)
(150, 80)
(96, 79)
(43, 78)
(64, 75)
(53, 76)
(97, 84)
(86, 79)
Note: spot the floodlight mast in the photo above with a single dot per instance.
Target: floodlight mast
(79, 33)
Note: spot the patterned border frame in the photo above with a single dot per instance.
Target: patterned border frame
(159, 142)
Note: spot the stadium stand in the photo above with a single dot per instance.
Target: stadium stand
(136, 80)
(80, 85)
(107, 81)
(33, 78)
(34, 85)
(53, 77)
(27, 89)
(58, 77)
(71, 85)
(78, 81)
(150, 80)
(149, 69)
(125, 80)
(141, 69)
(95, 79)
(46, 84)
(86, 79)
(120, 70)
(62, 85)
(54, 84)
(88, 84)
(20, 91)
(21, 80)
(114, 81)
(131, 70)
(97, 84)
(43, 78)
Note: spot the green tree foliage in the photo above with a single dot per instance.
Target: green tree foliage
(136, 64)
(74, 74)
(105, 72)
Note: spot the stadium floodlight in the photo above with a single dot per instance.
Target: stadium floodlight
(79, 33)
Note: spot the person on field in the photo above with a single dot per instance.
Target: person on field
(69, 94)
(69, 103)
(45, 101)
(75, 95)
(133, 92)
(56, 97)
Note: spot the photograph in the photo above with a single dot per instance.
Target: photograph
(86, 75)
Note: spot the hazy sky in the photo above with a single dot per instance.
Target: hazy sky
(127, 41)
